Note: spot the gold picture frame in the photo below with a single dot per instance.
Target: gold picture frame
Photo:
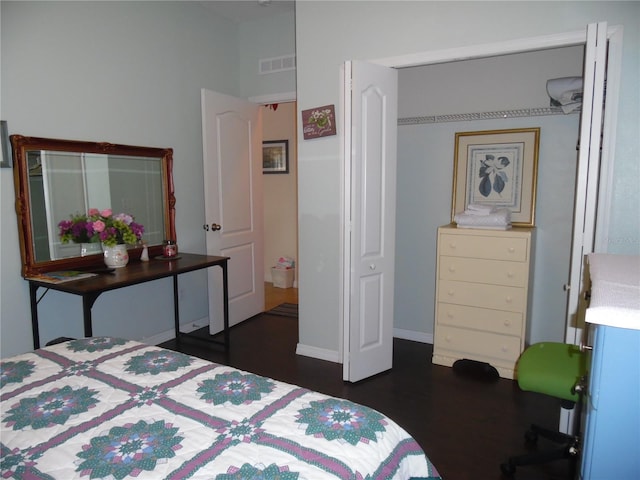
(497, 168)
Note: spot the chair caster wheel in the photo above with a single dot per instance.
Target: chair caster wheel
(508, 469)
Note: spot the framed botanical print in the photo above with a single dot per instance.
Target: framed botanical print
(497, 168)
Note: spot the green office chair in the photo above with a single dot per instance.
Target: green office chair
(558, 370)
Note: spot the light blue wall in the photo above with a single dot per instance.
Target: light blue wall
(122, 72)
(390, 29)
(267, 38)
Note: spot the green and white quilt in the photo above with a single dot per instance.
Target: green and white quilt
(110, 408)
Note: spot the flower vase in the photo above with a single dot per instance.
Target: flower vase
(90, 249)
(116, 256)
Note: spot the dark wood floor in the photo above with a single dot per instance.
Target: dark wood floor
(466, 424)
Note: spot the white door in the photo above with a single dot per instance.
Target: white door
(371, 111)
(232, 154)
(589, 185)
(587, 178)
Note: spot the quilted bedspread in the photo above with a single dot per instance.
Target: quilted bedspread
(111, 408)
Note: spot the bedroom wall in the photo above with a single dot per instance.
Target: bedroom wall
(425, 172)
(133, 77)
(269, 37)
(411, 27)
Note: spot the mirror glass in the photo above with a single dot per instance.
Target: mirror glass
(58, 179)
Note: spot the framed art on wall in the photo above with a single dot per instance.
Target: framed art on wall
(497, 168)
(275, 156)
(319, 122)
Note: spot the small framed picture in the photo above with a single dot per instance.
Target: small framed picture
(497, 168)
(319, 122)
(5, 148)
(275, 156)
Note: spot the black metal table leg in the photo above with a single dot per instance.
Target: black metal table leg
(176, 309)
(33, 288)
(225, 296)
(87, 304)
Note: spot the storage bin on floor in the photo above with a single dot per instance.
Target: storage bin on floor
(282, 278)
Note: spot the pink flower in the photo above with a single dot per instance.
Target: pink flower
(98, 226)
(101, 225)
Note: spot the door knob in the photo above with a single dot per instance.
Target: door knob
(215, 227)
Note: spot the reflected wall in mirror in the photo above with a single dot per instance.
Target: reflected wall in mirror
(55, 179)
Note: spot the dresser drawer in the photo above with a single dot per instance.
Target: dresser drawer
(482, 346)
(497, 321)
(496, 272)
(498, 297)
(489, 247)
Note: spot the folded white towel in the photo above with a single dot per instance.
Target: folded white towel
(486, 227)
(565, 92)
(477, 209)
(615, 291)
(500, 218)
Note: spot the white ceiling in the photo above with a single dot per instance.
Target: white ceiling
(248, 10)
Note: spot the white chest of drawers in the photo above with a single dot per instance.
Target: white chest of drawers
(482, 296)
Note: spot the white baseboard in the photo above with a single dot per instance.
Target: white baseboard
(333, 356)
(412, 335)
(319, 353)
(301, 349)
(171, 334)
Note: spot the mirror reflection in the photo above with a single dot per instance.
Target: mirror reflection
(59, 179)
(62, 184)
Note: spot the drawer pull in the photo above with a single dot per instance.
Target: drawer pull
(510, 274)
(451, 293)
(448, 338)
(505, 349)
(450, 315)
(452, 269)
(507, 323)
(511, 250)
(452, 245)
(509, 300)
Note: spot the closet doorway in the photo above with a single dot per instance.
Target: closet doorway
(591, 92)
(497, 93)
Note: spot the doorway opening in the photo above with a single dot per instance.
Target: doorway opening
(280, 200)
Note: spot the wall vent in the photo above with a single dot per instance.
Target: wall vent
(277, 64)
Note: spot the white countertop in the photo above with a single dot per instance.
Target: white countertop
(615, 290)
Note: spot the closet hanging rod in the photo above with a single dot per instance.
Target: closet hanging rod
(464, 117)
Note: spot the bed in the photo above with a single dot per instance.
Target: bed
(105, 407)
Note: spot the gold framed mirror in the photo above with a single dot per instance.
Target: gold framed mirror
(56, 179)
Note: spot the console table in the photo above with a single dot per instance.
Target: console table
(136, 272)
